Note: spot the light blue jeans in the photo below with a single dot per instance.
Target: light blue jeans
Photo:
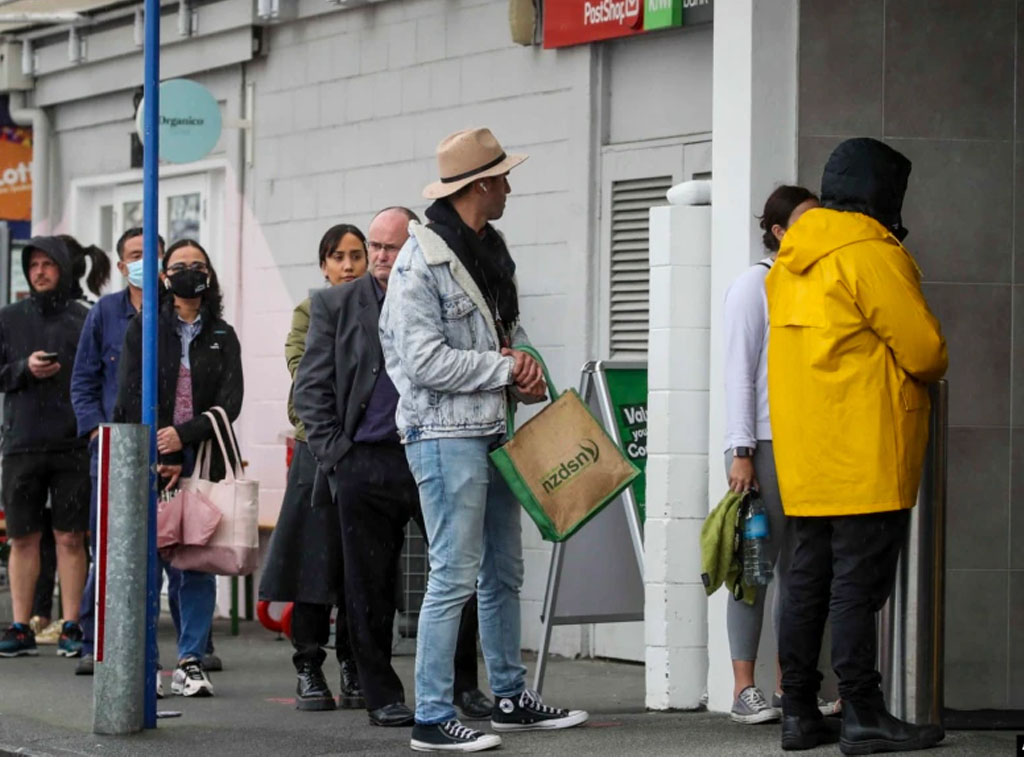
(472, 522)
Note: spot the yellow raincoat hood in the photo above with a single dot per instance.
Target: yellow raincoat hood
(851, 349)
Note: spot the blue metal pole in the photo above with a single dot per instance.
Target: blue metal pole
(151, 105)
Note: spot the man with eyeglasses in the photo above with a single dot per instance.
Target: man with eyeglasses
(347, 402)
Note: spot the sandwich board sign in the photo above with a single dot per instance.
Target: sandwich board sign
(596, 576)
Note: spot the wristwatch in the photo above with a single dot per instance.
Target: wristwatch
(743, 452)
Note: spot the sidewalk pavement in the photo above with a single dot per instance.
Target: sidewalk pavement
(46, 710)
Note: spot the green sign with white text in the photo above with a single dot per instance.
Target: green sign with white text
(627, 388)
(661, 14)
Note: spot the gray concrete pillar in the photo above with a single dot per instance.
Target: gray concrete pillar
(123, 497)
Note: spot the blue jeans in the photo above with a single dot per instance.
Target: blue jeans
(197, 595)
(473, 526)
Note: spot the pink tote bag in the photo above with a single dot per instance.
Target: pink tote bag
(233, 549)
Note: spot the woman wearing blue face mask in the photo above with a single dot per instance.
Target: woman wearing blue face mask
(94, 385)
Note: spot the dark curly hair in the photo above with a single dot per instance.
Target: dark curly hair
(212, 300)
(778, 208)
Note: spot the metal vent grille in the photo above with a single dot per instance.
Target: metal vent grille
(631, 202)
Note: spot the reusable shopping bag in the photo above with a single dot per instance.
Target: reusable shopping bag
(233, 549)
(185, 517)
(561, 464)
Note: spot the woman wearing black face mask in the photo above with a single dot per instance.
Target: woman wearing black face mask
(199, 367)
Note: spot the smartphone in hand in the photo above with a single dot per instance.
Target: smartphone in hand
(49, 357)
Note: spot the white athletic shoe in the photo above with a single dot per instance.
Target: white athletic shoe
(190, 679)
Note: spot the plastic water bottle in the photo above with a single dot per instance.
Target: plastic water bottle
(756, 568)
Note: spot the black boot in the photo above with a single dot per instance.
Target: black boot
(351, 693)
(311, 692)
(808, 732)
(868, 728)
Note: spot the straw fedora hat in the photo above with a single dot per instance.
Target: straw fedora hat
(466, 156)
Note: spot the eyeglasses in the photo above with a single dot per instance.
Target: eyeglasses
(195, 266)
(387, 248)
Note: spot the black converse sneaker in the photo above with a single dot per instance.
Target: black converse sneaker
(526, 712)
(452, 736)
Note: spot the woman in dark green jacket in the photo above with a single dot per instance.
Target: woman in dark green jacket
(303, 564)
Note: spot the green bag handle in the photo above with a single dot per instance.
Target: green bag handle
(510, 418)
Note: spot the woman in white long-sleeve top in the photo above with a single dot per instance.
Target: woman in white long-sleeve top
(748, 459)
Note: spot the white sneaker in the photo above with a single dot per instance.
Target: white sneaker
(190, 679)
(159, 685)
(751, 707)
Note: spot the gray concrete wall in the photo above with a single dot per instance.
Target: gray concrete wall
(940, 81)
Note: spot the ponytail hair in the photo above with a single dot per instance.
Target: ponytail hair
(99, 273)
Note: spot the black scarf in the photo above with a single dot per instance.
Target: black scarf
(487, 260)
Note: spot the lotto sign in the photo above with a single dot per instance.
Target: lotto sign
(15, 174)
(570, 22)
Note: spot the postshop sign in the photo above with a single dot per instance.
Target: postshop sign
(190, 122)
(570, 22)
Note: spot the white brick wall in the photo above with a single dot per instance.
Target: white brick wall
(675, 613)
(350, 107)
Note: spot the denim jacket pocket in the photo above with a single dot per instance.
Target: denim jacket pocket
(457, 315)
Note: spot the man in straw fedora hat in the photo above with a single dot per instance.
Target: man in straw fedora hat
(448, 328)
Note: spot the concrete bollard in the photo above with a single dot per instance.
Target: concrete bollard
(121, 550)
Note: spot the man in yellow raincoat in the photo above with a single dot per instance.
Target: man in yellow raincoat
(852, 348)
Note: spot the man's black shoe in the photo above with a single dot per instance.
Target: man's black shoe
(351, 696)
(474, 704)
(808, 732)
(868, 729)
(452, 736)
(392, 715)
(311, 692)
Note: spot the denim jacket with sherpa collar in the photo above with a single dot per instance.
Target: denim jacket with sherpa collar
(441, 347)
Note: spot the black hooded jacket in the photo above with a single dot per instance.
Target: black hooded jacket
(869, 177)
(37, 412)
(216, 365)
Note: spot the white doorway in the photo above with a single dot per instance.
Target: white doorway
(191, 205)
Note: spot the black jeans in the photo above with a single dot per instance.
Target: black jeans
(42, 602)
(377, 497)
(845, 566)
(311, 629)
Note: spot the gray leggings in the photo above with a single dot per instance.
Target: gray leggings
(743, 621)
